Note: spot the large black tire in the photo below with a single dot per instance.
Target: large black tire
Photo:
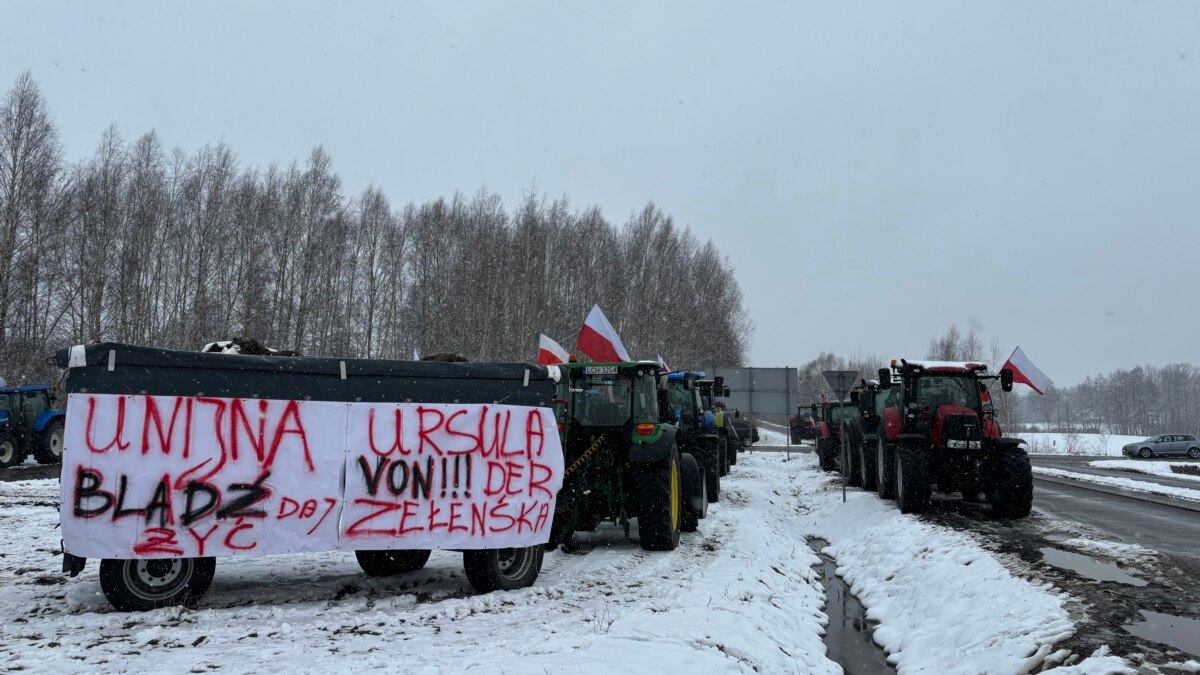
(1010, 485)
(143, 585)
(885, 468)
(827, 452)
(723, 452)
(868, 477)
(10, 450)
(660, 503)
(391, 563)
(712, 475)
(48, 447)
(850, 466)
(733, 452)
(695, 497)
(503, 569)
(912, 479)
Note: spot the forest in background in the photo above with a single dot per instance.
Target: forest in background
(170, 248)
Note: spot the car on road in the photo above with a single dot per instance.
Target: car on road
(1164, 445)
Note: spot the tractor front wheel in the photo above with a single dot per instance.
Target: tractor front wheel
(1010, 485)
(10, 451)
(660, 504)
(48, 448)
(827, 454)
(912, 479)
(849, 459)
(866, 467)
(712, 475)
(503, 569)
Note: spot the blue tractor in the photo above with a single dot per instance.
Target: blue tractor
(29, 424)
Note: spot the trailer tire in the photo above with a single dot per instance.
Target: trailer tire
(660, 503)
(694, 494)
(1010, 486)
(503, 569)
(885, 467)
(143, 585)
(391, 563)
(912, 479)
(10, 450)
(48, 447)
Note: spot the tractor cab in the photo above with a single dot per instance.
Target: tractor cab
(29, 424)
(943, 402)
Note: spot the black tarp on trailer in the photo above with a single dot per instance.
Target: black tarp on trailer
(114, 368)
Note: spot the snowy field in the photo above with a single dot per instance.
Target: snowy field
(1123, 483)
(738, 596)
(1043, 443)
(1155, 468)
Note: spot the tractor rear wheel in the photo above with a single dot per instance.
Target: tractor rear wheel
(391, 563)
(885, 468)
(912, 479)
(1010, 485)
(10, 451)
(695, 497)
(850, 455)
(48, 447)
(503, 569)
(660, 504)
(866, 466)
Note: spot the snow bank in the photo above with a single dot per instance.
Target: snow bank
(943, 604)
(1125, 483)
(1146, 467)
(1045, 443)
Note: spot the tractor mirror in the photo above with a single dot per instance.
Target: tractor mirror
(725, 392)
(737, 413)
(1006, 379)
(854, 396)
(885, 378)
(989, 409)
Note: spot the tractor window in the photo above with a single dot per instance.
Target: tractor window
(645, 401)
(35, 404)
(602, 400)
(682, 400)
(839, 414)
(933, 390)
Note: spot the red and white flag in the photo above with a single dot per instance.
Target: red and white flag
(661, 362)
(1025, 372)
(598, 340)
(550, 352)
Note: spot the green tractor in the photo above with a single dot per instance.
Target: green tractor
(622, 454)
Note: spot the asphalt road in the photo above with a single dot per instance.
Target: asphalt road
(1082, 464)
(1155, 526)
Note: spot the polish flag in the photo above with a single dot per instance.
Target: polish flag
(550, 352)
(598, 340)
(1025, 372)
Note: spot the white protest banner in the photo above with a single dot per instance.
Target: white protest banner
(450, 476)
(165, 476)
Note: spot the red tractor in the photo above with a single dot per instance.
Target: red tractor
(938, 427)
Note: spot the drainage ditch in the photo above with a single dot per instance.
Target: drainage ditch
(849, 637)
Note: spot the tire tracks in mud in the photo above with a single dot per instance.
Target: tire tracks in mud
(1099, 608)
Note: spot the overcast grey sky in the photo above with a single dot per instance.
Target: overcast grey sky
(875, 171)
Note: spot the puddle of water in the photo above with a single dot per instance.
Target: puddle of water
(1090, 567)
(1177, 631)
(848, 637)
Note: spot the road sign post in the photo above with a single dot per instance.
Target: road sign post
(841, 381)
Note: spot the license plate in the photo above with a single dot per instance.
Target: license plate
(599, 370)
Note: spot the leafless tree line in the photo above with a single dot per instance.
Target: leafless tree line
(141, 244)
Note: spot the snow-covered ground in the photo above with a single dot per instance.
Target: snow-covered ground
(1043, 443)
(738, 596)
(1157, 468)
(1124, 483)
